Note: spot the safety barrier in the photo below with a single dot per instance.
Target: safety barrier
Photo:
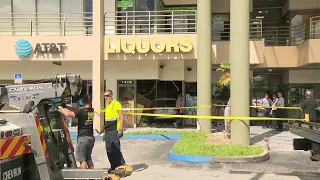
(131, 111)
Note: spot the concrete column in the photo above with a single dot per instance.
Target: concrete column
(98, 63)
(204, 63)
(240, 70)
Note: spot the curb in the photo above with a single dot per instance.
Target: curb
(171, 155)
(247, 159)
(192, 159)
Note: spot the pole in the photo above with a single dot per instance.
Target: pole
(240, 70)
(98, 63)
(204, 63)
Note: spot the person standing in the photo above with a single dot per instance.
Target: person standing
(179, 104)
(227, 122)
(85, 139)
(113, 130)
(280, 111)
(309, 106)
(266, 103)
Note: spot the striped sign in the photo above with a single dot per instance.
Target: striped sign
(14, 146)
(43, 141)
(68, 133)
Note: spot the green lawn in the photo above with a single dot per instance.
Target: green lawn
(193, 143)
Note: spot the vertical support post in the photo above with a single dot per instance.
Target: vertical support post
(172, 22)
(31, 27)
(204, 63)
(98, 63)
(64, 24)
(240, 70)
(126, 22)
(149, 22)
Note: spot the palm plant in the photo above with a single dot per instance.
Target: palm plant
(224, 80)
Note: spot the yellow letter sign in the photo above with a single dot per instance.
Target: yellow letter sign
(144, 45)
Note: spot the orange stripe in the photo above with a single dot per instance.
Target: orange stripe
(15, 148)
(42, 140)
(68, 133)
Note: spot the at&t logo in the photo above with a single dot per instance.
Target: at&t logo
(23, 48)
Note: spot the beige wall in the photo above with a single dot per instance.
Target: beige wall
(304, 76)
(80, 48)
(303, 4)
(77, 48)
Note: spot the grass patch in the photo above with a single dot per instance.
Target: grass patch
(194, 144)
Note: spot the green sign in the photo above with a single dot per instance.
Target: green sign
(124, 3)
(175, 8)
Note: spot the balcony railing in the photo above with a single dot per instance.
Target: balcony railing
(60, 24)
(149, 23)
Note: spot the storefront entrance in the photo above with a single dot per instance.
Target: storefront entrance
(127, 97)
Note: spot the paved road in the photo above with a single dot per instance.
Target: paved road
(149, 157)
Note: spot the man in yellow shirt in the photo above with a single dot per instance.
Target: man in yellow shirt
(113, 130)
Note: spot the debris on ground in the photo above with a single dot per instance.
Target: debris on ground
(218, 138)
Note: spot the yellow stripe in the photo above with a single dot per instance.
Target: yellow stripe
(9, 149)
(2, 142)
(206, 106)
(214, 117)
(22, 147)
(43, 143)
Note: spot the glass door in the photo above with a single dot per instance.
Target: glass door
(127, 97)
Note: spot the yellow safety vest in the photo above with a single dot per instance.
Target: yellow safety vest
(112, 114)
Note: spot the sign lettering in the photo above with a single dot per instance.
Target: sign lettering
(10, 174)
(26, 88)
(46, 48)
(144, 45)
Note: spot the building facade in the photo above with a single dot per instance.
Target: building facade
(156, 40)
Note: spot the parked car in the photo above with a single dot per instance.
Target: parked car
(164, 103)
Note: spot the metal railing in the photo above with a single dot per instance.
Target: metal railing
(314, 28)
(283, 35)
(150, 22)
(59, 24)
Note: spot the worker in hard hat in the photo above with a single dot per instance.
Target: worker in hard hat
(113, 130)
(86, 139)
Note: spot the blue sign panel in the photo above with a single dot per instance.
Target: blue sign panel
(23, 48)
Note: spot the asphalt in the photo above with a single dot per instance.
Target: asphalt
(150, 160)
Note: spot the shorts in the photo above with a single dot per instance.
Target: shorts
(84, 148)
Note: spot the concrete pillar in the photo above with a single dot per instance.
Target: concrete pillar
(98, 63)
(240, 70)
(204, 63)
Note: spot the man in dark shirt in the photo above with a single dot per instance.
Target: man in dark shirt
(85, 140)
(309, 106)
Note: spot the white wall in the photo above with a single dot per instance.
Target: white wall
(304, 76)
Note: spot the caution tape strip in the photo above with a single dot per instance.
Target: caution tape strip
(216, 117)
(195, 107)
(14, 146)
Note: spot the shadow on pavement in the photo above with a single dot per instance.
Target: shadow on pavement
(261, 137)
(300, 175)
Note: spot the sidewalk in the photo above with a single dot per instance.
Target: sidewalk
(278, 141)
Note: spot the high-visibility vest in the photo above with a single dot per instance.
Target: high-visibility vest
(111, 114)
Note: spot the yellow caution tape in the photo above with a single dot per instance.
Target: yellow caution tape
(217, 117)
